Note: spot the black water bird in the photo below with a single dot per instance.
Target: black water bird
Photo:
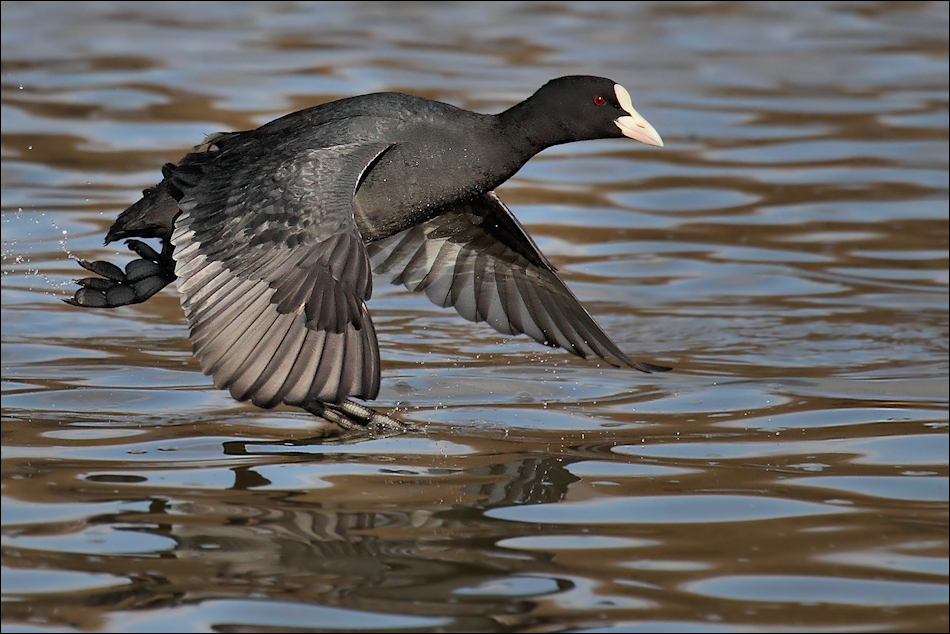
(273, 236)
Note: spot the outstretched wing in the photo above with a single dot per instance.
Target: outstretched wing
(273, 273)
(478, 259)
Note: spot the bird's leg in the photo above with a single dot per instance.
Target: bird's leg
(140, 280)
(351, 416)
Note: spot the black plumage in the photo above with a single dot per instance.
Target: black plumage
(273, 235)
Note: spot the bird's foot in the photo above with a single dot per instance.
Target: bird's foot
(140, 280)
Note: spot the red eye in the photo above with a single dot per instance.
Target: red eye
(599, 101)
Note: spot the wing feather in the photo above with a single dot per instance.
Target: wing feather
(273, 273)
(477, 258)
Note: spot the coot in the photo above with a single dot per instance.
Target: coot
(273, 236)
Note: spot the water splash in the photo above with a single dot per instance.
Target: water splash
(19, 258)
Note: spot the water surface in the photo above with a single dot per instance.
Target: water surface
(787, 252)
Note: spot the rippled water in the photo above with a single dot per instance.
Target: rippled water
(787, 252)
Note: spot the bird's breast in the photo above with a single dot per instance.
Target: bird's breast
(413, 182)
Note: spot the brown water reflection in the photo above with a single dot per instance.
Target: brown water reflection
(787, 252)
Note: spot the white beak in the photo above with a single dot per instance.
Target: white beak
(634, 126)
